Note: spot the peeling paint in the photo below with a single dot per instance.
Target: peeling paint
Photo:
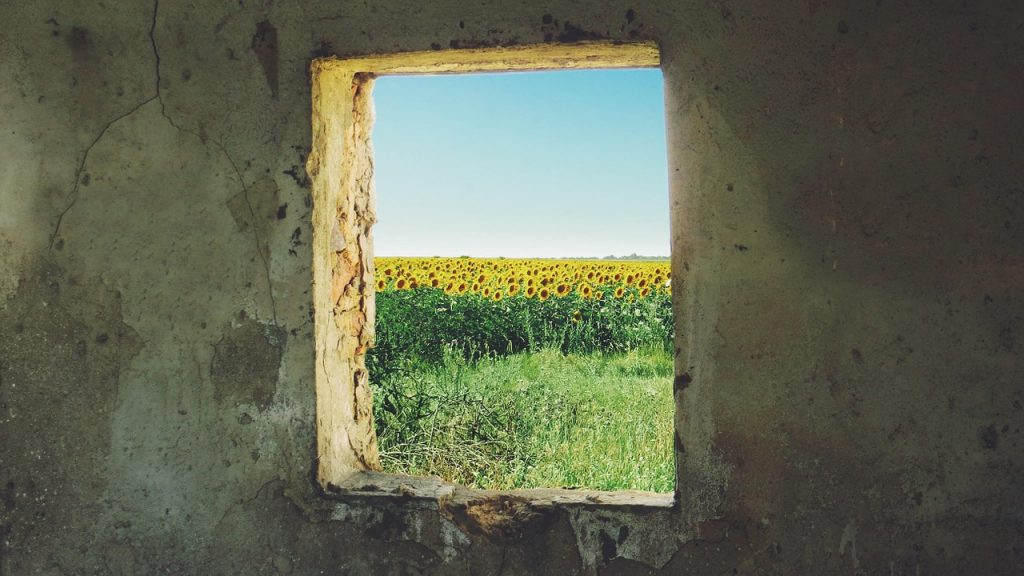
(501, 518)
(602, 535)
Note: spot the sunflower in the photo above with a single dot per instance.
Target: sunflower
(401, 284)
(576, 316)
(585, 290)
(531, 291)
(496, 296)
(544, 294)
(619, 292)
(461, 288)
(381, 284)
(513, 289)
(486, 291)
(644, 292)
(562, 289)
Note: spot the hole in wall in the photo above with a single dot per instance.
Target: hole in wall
(523, 314)
(341, 169)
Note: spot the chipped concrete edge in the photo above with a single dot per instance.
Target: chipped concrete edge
(340, 166)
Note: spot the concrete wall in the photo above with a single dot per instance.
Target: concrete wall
(848, 213)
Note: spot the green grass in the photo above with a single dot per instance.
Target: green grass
(544, 418)
(524, 393)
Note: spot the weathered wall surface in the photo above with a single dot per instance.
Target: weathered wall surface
(848, 212)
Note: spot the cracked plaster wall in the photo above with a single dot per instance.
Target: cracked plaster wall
(847, 209)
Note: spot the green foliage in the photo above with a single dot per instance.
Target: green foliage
(533, 419)
(524, 392)
(423, 324)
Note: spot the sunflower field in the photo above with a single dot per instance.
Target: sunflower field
(497, 278)
(487, 371)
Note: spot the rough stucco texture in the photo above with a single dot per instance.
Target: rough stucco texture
(848, 216)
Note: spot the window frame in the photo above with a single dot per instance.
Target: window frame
(340, 166)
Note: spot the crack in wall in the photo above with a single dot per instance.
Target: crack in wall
(255, 227)
(73, 195)
(156, 56)
(264, 257)
(158, 96)
(243, 502)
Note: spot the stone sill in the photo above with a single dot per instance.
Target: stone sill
(419, 491)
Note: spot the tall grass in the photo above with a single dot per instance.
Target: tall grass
(521, 392)
(533, 419)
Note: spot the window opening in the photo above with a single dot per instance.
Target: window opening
(523, 314)
(341, 168)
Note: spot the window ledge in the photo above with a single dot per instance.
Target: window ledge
(428, 490)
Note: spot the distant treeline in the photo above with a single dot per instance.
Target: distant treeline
(610, 257)
(634, 257)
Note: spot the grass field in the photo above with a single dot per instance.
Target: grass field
(484, 382)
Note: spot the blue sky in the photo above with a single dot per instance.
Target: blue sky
(538, 165)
